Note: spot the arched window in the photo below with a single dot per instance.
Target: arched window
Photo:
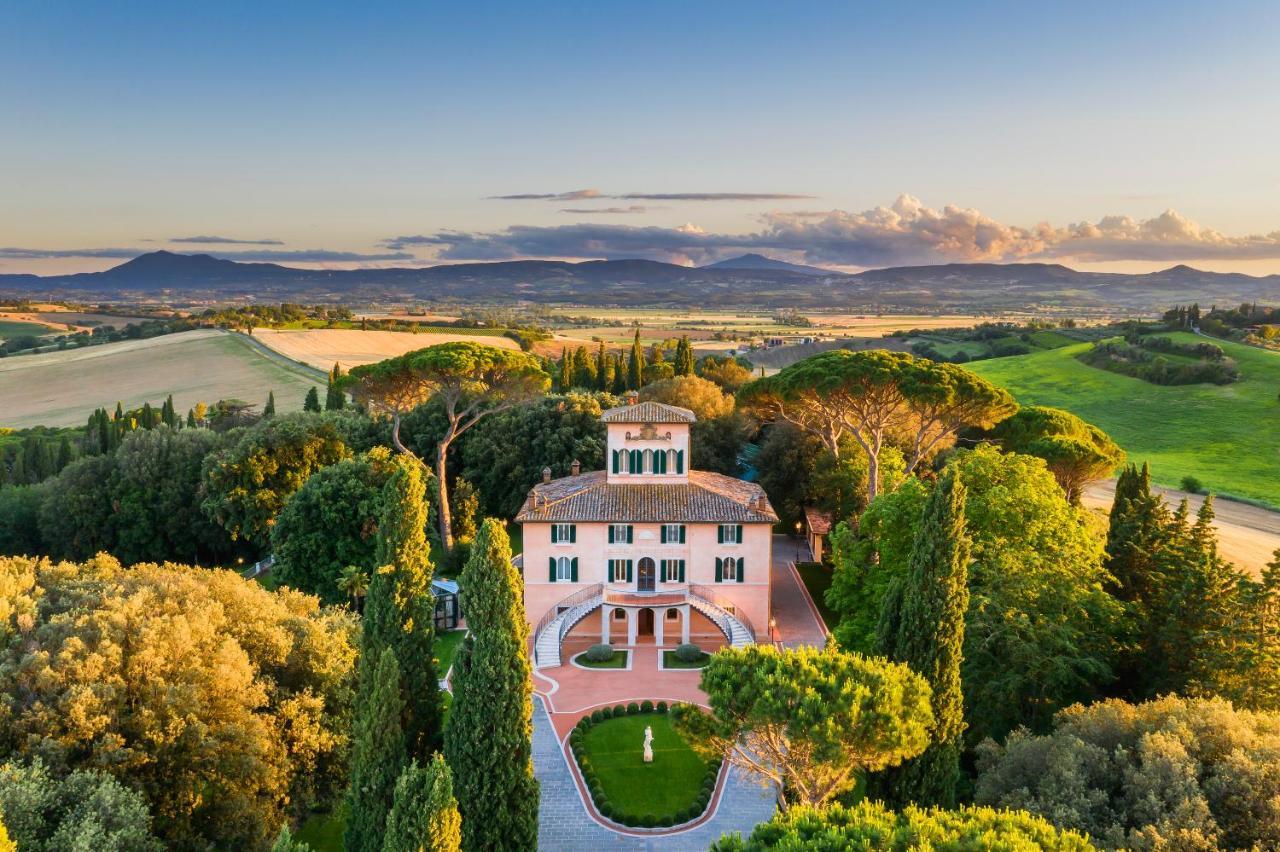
(648, 462)
(673, 614)
(619, 614)
(564, 568)
(729, 569)
(671, 460)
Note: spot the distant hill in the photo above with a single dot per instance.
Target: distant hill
(747, 281)
(759, 261)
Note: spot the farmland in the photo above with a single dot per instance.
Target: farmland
(323, 347)
(63, 388)
(1227, 436)
(18, 328)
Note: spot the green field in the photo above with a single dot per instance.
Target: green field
(1227, 436)
(16, 328)
(63, 388)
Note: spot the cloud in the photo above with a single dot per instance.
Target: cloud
(586, 194)
(207, 240)
(906, 232)
(634, 208)
(51, 254)
(574, 195)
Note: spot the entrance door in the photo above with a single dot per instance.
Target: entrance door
(647, 579)
(645, 625)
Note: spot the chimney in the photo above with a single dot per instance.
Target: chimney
(575, 468)
(632, 397)
(546, 474)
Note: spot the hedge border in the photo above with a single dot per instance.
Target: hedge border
(692, 812)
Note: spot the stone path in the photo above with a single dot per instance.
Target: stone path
(798, 624)
(564, 826)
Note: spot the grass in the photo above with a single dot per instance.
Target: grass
(63, 388)
(617, 661)
(323, 832)
(670, 784)
(817, 579)
(1227, 436)
(18, 328)
(446, 648)
(671, 661)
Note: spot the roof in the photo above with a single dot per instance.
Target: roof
(443, 585)
(648, 412)
(818, 521)
(706, 498)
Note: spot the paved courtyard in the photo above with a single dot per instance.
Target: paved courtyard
(567, 692)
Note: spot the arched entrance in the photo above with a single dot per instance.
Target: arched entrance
(645, 624)
(647, 578)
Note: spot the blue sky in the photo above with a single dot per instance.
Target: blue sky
(1104, 135)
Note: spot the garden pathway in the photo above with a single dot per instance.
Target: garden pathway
(564, 826)
(798, 623)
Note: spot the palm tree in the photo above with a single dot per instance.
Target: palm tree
(355, 582)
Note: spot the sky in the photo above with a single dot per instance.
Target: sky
(1125, 136)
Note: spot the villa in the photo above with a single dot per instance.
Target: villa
(647, 551)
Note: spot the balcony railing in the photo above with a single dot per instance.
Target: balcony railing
(578, 597)
(707, 593)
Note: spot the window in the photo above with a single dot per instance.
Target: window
(646, 464)
(673, 570)
(673, 614)
(672, 533)
(619, 614)
(729, 569)
(729, 534)
(620, 534)
(620, 570)
(564, 533)
(564, 568)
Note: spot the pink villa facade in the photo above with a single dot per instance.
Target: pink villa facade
(646, 551)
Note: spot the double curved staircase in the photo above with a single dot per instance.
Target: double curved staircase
(567, 613)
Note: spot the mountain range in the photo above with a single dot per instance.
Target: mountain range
(747, 281)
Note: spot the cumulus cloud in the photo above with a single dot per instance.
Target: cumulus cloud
(905, 232)
(586, 194)
(231, 241)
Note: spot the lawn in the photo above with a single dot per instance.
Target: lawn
(1227, 436)
(671, 661)
(617, 661)
(18, 328)
(323, 832)
(817, 579)
(670, 784)
(446, 648)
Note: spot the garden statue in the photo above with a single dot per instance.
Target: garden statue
(648, 744)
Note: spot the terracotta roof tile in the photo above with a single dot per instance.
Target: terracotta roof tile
(705, 498)
(648, 412)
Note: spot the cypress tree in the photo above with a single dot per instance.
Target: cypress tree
(488, 741)
(312, 402)
(377, 753)
(684, 357)
(334, 398)
(923, 626)
(167, 414)
(619, 375)
(399, 607)
(603, 377)
(191, 418)
(566, 368)
(424, 817)
(269, 410)
(635, 364)
(65, 456)
(119, 412)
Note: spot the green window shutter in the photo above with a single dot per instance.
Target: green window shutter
(573, 569)
(660, 461)
(662, 533)
(629, 573)
(630, 534)
(555, 531)
(679, 461)
(611, 533)
(662, 571)
(681, 570)
(682, 533)
(741, 572)
(719, 569)
(573, 533)
(738, 532)
(553, 569)
(719, 533)
(613, 575)
(615, 461)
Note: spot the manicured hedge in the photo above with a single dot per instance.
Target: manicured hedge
(603, 805)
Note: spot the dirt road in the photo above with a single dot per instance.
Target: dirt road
(1247, 535)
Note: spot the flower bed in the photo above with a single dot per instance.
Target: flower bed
(672, 790)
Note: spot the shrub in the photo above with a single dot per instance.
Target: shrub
(649, 820)
(662, 707)
(1192, 485)
(597, 715)
(633, 708)
(646, 706)
(688, 653)
(599, 653)
(619, 710)
(667, 821)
